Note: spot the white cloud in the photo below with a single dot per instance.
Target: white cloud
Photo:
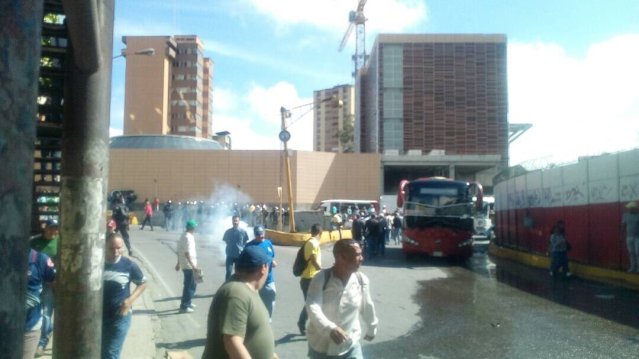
(332, 15)
(578, 106)
(115, 132)
(254, 120)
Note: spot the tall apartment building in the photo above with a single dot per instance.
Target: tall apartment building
(333, 119)
(434, 105)
(170, 92)
(435, 92)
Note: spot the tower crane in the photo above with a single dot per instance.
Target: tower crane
(357, 20)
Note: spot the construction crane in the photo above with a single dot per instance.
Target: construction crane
(357, 20)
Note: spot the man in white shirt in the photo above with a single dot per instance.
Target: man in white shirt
(187, 261)
(337, 299)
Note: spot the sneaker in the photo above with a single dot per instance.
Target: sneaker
(192, 305)
(568, 274)
(302, 329)
(39, 352)
(186, 310)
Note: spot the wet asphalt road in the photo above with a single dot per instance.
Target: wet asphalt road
(428, 307)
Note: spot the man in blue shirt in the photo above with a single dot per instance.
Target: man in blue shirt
(267, 293)
(235, 239)
(119, 272)
(41, 270)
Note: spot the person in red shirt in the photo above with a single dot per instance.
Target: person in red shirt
(148, 214)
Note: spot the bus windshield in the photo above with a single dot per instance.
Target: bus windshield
(438, 199)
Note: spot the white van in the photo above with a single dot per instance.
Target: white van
(342, 205)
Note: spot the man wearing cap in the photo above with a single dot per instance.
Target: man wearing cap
(630, 223)
(235, 239)
(267, 293)
(46, 243)
(187, 261)
(238, 322)
(338, 300)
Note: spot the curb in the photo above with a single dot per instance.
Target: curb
(609, 276)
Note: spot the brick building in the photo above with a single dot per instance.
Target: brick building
(170, 92)
(333, 122)
(435, 101)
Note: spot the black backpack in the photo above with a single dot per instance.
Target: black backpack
(300, 262)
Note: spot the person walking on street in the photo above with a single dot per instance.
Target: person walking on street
(41, 270)
(238, 322)
(397, 227)
(168, 210)
(338, 299)
(119, 273)
(313, 256)
(268, 291)
(558, 249)
(235, 239)
(187, 262)
(47, 243)
(148, 214)
(630, 222)
(120, 214)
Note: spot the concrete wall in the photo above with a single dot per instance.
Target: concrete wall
(589, 196)
(183, 175)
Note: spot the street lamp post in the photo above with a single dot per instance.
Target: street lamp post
(147, 52)
(284, 136)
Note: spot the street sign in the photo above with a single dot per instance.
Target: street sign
(284, 136)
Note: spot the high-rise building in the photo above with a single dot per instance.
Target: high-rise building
(333, 119)
(434, 105)
(435, 92)
(170, 92)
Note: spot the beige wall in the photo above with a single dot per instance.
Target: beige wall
(195, 174)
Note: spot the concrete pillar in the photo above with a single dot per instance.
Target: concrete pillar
(451, 171)
(20, 31)
(78, 326)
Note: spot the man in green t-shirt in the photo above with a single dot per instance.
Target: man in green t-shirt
(238, 322)
(47, 243)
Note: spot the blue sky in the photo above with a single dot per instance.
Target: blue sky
(572, 65)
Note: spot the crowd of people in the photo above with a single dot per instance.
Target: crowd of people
(372, 230)
(337, 299)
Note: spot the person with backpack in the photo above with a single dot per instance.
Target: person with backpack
(338, 300)
(313, 257)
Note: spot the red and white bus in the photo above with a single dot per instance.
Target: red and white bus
(438, 216)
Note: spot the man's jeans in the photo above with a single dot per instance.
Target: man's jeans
(354, 353)
(114, 332)
(267, 293)
(189, 288)
(46, 298)
(301, 322)
(230, 263)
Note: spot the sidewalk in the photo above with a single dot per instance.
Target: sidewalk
(140, 341)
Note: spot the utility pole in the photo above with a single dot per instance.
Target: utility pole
(284, 137)
(84, 179)
(20, 30)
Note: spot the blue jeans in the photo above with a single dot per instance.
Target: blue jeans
(354, 353)
(114, 332)
(230, 262)
(267, 293)
(189, 288)
(46, 298)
